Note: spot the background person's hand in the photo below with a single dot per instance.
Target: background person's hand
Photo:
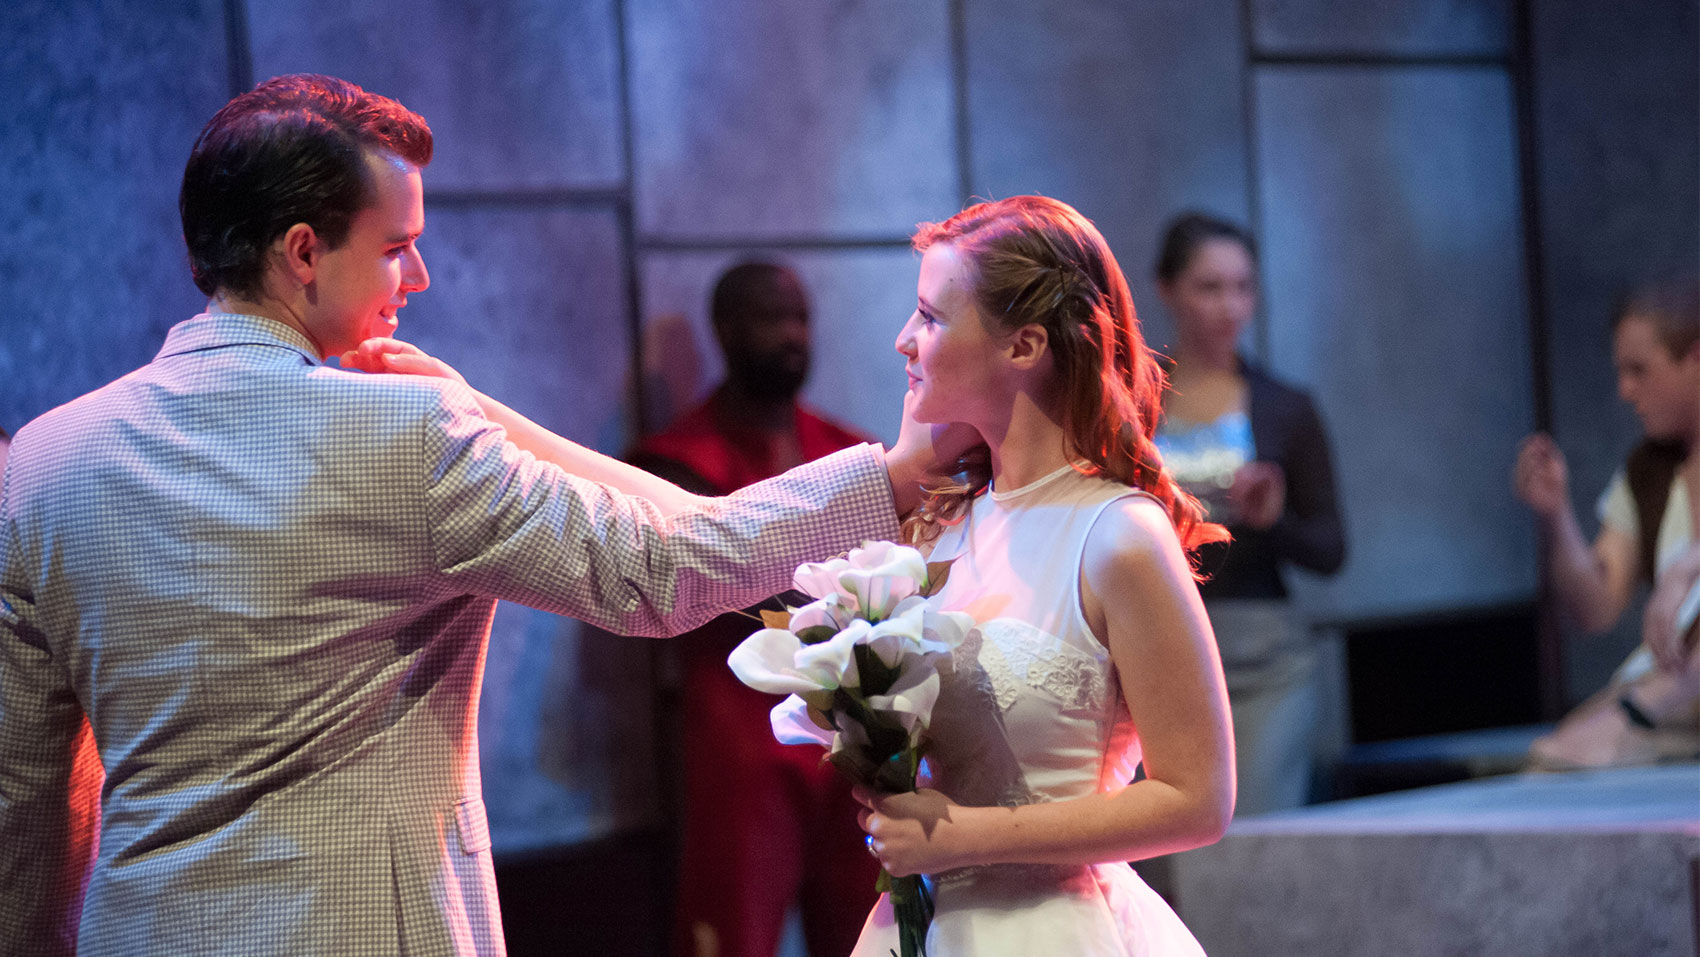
(1259, 494)
(395, 355)
(1541, 478)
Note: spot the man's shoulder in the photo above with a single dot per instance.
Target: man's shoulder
(406, 395)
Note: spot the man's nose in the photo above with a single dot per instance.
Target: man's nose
(417, 278)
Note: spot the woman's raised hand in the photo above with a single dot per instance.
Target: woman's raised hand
(395, 355)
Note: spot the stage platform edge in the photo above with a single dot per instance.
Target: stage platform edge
(1590, 864)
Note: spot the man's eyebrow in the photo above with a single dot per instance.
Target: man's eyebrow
(404, 238)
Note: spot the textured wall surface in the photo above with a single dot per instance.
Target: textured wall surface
(521, 94)
(1391, 253)
(98, 107)
(1129, 111)
(760, 119)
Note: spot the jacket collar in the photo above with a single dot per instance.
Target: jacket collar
(215, 330)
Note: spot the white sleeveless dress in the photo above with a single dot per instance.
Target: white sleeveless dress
(1031, 711)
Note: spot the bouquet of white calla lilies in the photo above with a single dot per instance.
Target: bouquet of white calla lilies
(860, 665)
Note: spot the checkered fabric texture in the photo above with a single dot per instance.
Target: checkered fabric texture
(266, 585)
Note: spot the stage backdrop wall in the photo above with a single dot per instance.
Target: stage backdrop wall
(1444, 223)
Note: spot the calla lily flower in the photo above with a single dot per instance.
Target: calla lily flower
(776, 661)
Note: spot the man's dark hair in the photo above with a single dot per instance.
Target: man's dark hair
(1673, 308)
(291, 150)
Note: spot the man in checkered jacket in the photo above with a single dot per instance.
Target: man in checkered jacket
(245, 597)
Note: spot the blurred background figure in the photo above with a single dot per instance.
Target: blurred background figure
(1649, 524)
(1254, 451)
(764, 826)
(5, 446)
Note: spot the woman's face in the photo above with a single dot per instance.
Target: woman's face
(951, 356)
(1664, 389)
(1214, 297)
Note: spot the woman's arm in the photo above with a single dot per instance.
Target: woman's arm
(1309, 531)
(1171, 677)
(1593, 582)
(586, 463)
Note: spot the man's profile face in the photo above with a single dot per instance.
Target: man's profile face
(359, 286)
(767, 341)
(1664, 389)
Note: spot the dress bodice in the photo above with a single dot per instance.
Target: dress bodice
(1029, 708)
(1029, 711)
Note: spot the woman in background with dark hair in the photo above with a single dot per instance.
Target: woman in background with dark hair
(1254, 452)
(1093, 654)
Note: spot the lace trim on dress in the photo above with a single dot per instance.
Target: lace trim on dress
(1073, 677)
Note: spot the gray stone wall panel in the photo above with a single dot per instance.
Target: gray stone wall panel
(1129, 112)
(101, 105)
(757, 119)
(1391, 252)
(521, 94)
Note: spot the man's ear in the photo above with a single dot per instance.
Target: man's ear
(299, 249)
(1028, 346)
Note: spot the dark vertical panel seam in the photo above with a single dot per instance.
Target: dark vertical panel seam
(627, 213)
(1694, 898)
(1254, 194)
(1528, 168)
(238, 45)
(664, 700)
(1549, 635)
(959, 77)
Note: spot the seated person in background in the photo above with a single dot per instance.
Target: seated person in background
(1649, 524)
(787, 832)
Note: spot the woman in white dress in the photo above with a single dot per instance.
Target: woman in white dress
(1094, 653)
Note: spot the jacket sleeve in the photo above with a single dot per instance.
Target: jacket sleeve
(505, 525)
(1309, 532)
(50, 780)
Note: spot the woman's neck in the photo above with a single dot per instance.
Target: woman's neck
(1027, 446)
(1193, 361)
